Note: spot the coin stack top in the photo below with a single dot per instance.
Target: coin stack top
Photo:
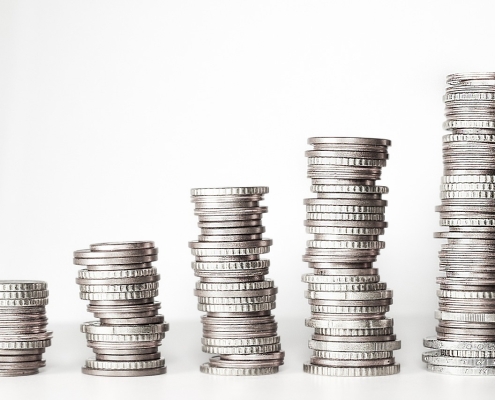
(23, 322)
(352, 336)
(121, 283)
(232, 289)
(465, 340)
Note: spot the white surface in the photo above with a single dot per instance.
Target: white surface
(110, 111)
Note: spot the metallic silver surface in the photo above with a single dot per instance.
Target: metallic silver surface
(232, 289)
(120, 283)
(352, 336)
(465, 340)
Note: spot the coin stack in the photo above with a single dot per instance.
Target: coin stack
(120, 283)
(352, 336)
(232, 289)
(465, 341)
(23, 334)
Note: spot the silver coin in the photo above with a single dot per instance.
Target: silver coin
(115, 253)
(156, 319)
(470, 371)
(352, 371)
(436, 358)
(208, 369)
(115, 260)
(126, 373)
(128, 357)
(21, 285)
(117, 246)
(220, 363)
(351, 363)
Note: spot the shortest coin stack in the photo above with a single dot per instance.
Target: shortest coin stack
(23, 334)
(120, 284)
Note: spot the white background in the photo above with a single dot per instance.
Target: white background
(110, 111)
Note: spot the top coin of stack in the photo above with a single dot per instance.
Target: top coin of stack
(348, 302)
(232, 289)
(120, 283)
(465, 341)
(23, 334)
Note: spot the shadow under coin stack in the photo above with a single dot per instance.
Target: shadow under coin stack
(465, 341)
(232, 289)
(121, 284)
(352, 336)
(23, 334)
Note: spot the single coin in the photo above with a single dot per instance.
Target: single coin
(277, 355)
(128, 357)
(230, 191)
(218, 362)
(208, 369)
(118, 246)
(349, 355)
(29, 365)
(436, 358)
(349, 324)
(465, 317)
(115, 261)
(141, 272)
(115, 253)
(370, 295)
(124, 365)
(268, 348)
(353, 339)
(262, 341)
(356, 346)
(127, 373)
(116, 281)
(352, 371)
(21, 285)
(434, 343)
(119, 338)
(349, 140)
(156, 319)
(95, 327)
(351, 363)
(126, 352)
(471, 371)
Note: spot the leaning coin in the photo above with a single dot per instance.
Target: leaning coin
(116, 253)
(117, 246)
(156, 319)
(115, 261)
(97, 328)
(277, 355)
(220, 363)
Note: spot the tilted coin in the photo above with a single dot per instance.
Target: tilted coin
(117, 246)
(116, 253)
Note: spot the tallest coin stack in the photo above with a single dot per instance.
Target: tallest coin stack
(352, 336)
(465, 341)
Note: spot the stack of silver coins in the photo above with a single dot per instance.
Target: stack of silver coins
(121, 283)
(232, 290)
(23, 322)
(352, 336)
(465, 340)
